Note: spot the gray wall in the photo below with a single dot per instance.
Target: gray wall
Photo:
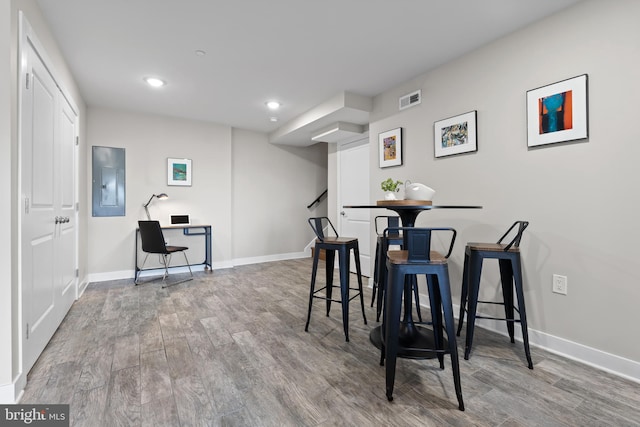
(272, 186)
(254, 194)
(581, 198)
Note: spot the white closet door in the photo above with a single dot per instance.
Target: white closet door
(354, 190)
(48, 129)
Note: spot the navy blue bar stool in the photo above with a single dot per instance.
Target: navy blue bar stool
(379, 269)
(327, 239)
(508, 256)
(418, 258)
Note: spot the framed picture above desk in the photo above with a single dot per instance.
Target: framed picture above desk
(196, 237)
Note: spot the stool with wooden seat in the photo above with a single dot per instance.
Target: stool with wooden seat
(508, 256)
(327, 239)
(379, 269)
(418, 258)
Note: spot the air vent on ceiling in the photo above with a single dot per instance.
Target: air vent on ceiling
(409, 100)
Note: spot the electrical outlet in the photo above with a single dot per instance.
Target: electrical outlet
(559, 284)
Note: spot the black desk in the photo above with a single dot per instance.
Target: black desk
(187, 230)
(412, 338)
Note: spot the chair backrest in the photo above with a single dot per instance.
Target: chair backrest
(386, 221)
(418, 241)
(152, 237)
(322, 227)
(515, 242)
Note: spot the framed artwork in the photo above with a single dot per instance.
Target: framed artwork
(179, 172)
(557, 112)
(390, 143)
(455, 135)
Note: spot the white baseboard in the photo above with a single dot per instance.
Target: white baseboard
(271, 258)
(599, 359)
(129, 274)
(12, 393)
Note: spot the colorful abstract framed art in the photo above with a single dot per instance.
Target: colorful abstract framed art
(390, 143)
(557, 112)
(455, 135)
(179, 172)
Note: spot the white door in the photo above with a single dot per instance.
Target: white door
(48, 241)
(353, 185)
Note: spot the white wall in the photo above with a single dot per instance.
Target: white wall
(148, 141)
(272, 187)
(254, 194)
(11, 377)
(6, 260)
(581, 198)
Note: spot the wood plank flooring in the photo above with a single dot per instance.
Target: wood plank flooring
(229, 349)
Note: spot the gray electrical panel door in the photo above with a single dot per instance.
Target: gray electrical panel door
(108, 181)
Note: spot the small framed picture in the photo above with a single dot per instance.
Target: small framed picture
(557, 112)
(390, 143)
(179, 172)
(455, 135)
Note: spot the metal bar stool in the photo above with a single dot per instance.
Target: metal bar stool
(508, 256)
(418, 258)
(342, 245)
(379, 269)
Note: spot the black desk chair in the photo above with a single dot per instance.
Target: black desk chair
(508, 256)
(153, 243)
(418, 258)
(327, 239)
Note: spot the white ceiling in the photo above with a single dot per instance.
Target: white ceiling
(299, 52)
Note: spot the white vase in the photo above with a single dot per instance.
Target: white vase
(390, 195)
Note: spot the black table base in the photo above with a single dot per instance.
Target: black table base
(419, 346)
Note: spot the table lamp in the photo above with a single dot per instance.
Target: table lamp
(160, 196)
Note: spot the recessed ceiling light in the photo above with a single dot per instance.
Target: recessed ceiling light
(154, 81)
(273, 119)
(200, 52)
(273, 105)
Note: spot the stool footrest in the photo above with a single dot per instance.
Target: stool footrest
(497, 318)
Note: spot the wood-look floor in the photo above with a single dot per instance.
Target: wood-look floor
(229, 349)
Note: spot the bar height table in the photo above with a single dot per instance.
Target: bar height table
(414, 340)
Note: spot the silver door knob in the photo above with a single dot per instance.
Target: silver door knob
(343, 213)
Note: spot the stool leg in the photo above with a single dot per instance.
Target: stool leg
(382, 280)
(356, 255)
(416, 296)
(344, 289)
(517, 274)
(506, 279)
(447, 306)
(314, 269)
(329, 264)
(376, 273)
(464, 292)
(435, 301)
(475, 269)
(392, 326)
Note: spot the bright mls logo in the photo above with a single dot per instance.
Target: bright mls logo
(34, 415)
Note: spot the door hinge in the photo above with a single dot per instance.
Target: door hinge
(77, 272)
(27, 80)
(26, 205)
(27, 331)
(77, 140)
(77, 206)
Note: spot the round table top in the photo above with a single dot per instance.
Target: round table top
(418, 205)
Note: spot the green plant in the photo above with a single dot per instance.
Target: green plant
(390, 185)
